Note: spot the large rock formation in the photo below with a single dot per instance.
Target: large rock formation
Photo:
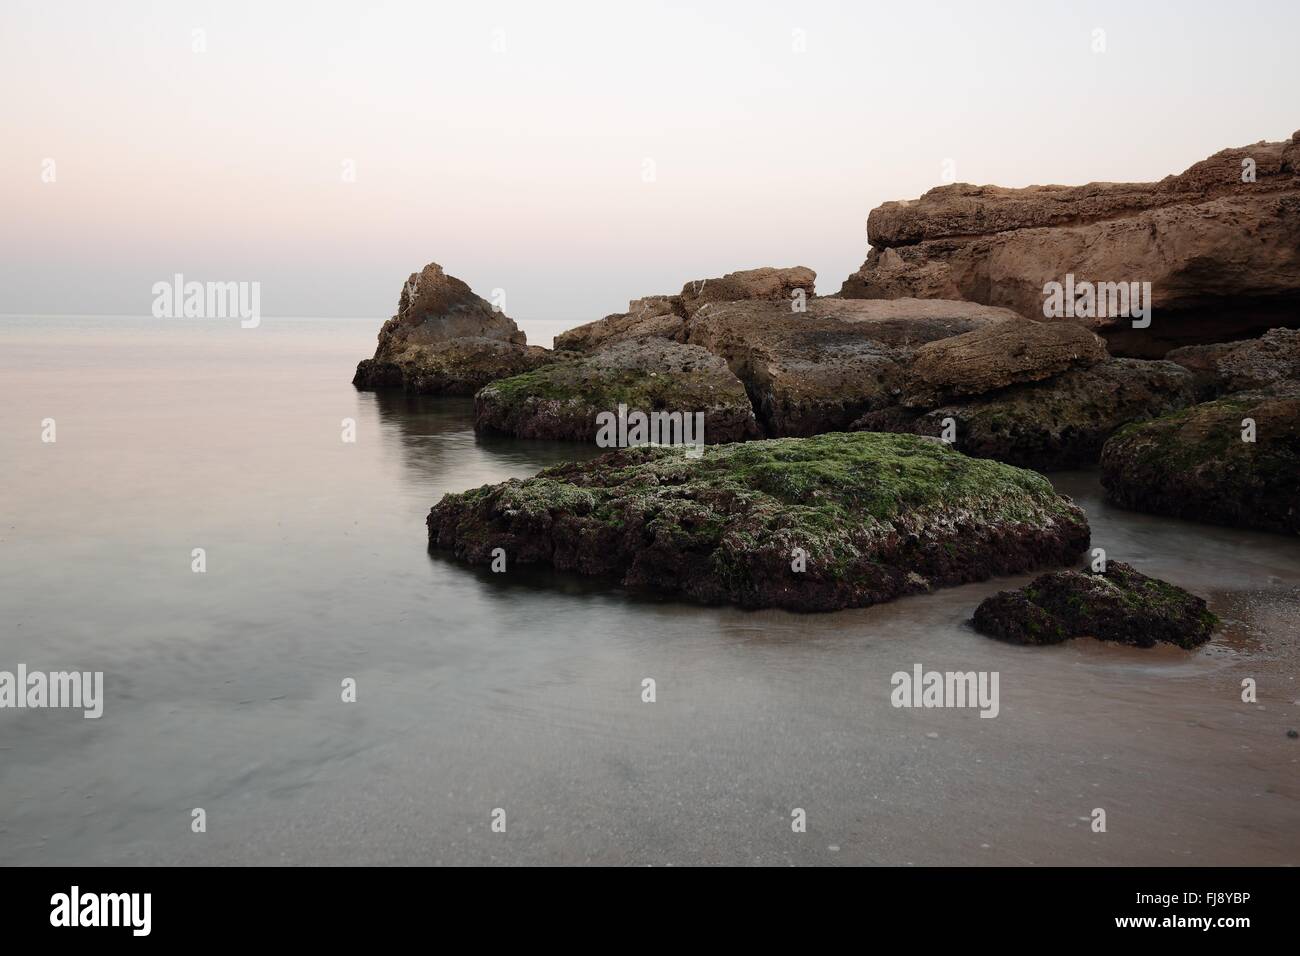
(1219, 243)
(444, 339)
(1120, 604)
(563, 399)
(810, 524)
(1196, 464)
(819, 370)
(666, 315)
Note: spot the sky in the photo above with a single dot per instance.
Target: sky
(574, 155)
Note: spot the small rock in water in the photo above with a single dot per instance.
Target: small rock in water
(1120, 604)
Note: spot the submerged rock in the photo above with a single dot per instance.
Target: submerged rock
(563, 400)
(1059, 423)
(1222, 255)
(1120, 605)
(445, 340)
(867, 518)
(1195, 464)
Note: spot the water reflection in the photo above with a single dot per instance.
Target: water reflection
(435, 437)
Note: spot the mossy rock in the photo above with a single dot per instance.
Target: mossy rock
(564, 400)
(1119, 604)
(876, 516)
(1055, 424)
(1194, 464)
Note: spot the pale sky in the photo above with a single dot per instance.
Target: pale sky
(509, 141)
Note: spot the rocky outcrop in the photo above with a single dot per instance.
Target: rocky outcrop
(456, 367)
(815, 524)
(752, 285)
(1195, 464)
(1059, 423)
(1272, 359)
(996, 356)
(1119, 604)
(1222, 255)
(666, 315)
(819, 370)
(444, 339)
(654, 315)
(563, 399)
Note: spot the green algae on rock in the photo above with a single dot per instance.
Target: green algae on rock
(868, 517)
(1194, 463)
(563, 400)
(1120, 604)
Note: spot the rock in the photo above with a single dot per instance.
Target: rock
(819, 370)
(1222, 255)
(1055, 424)
(1120, 605)
(666, 315)
(563, 399)
(656, 315)
(436, 307)
(876, 517)
(1194, 464)
(765, 285)
(454, 367)
(445, 340)
(1271, 359)
(1203, 362)
(995, 356)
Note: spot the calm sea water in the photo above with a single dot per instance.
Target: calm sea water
(522, 692)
